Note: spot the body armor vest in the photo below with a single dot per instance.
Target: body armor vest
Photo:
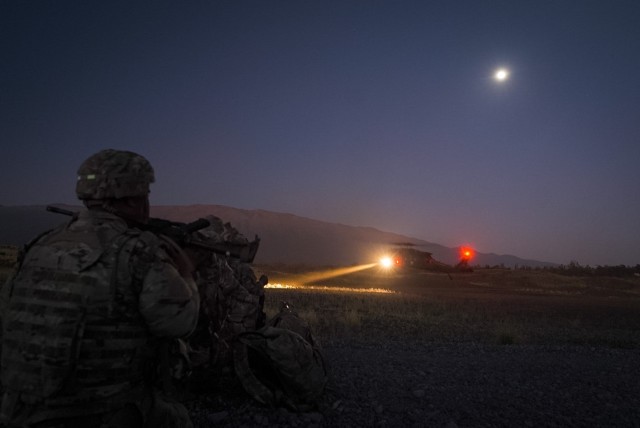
(72, 330)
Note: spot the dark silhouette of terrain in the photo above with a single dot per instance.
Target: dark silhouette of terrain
(286, 238)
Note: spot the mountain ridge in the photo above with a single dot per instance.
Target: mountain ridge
(286, 238)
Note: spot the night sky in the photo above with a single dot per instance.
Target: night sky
(367, 113)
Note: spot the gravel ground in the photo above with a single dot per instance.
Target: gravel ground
(453, 385)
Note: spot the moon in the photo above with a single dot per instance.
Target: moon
(501, 74)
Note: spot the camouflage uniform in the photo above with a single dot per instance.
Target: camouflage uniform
(84, 316)
(282, 363)
(232, 299)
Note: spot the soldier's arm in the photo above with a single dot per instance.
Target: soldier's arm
(7, 290)
(169, 300)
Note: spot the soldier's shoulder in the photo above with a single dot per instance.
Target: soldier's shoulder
(147, 246)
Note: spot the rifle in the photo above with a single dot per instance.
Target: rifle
(182, 234)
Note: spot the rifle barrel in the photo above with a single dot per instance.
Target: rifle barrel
(244, 252)
(201, 223)
(59, 210)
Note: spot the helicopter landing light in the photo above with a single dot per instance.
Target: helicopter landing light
(386, 262)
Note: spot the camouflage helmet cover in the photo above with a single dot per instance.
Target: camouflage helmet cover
(114, 174)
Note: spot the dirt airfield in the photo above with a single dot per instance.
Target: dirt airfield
(536, 306)
(492, 348)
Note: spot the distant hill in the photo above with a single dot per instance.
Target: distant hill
(285, 238)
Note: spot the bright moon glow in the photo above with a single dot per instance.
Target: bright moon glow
(501, 74)
(386, 262)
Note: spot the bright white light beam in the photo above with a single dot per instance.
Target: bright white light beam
(386, 262)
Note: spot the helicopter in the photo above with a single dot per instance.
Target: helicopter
(404, 256)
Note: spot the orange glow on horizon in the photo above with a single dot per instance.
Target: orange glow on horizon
(328, 289)
(311, 277)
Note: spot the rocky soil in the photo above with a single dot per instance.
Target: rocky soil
(453, 385)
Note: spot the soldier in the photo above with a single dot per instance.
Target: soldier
(232, 299)
(279, 362)
(90, 307)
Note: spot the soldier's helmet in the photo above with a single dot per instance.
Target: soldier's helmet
(114, 174)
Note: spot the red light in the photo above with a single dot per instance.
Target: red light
(466, 253)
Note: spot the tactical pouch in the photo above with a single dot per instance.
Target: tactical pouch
(278, 366)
